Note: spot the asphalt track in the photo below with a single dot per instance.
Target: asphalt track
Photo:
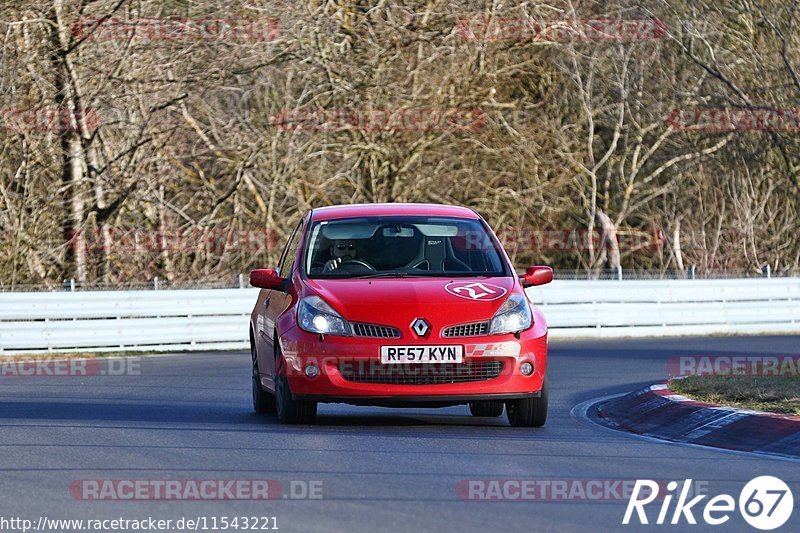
(189, 417)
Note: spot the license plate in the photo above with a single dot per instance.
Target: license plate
(422, 354)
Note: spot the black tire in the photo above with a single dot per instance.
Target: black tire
(263, 401)
(486, 408)
(290, 411)
(528, 412)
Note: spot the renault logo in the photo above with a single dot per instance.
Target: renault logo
(420, 327)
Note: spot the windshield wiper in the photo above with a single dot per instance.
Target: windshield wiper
(392, 274)
(404, 274)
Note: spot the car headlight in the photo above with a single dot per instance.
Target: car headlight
(514, 315)
(316, 316)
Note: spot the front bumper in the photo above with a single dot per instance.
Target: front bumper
(416, 401)
(334, 384)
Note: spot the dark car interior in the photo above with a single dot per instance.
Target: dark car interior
(405, 248)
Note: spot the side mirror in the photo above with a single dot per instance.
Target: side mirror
(266, 278)
(536, 275)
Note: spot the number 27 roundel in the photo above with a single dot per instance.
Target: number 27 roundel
(471, 290)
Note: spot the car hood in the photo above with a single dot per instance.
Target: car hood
(399, 301)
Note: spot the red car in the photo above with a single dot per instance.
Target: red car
(409, 305)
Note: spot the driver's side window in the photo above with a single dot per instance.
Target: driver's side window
(290, 252)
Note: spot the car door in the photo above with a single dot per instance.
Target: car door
(274, 304)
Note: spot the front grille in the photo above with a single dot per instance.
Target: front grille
(419, 374)
(374, 330)
(466, 330)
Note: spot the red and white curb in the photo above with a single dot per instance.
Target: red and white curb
(658, 412)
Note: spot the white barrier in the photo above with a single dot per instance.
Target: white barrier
(210, 319)
(595, 309)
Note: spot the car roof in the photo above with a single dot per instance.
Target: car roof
(391, 209)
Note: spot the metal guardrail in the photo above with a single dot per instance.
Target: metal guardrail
(216, 319)
(595, 309)
(240, 280)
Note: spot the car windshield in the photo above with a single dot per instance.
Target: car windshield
(409, 246)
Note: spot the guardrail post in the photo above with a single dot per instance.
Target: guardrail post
(691, 272)
(241, 281)
(619, 273)
(71, 284)
(765, 270)
(155, 283)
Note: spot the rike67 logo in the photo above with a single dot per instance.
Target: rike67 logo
(765, 503)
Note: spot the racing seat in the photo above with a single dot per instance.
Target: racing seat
(436, 254)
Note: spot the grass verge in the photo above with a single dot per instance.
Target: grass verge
(774, 394)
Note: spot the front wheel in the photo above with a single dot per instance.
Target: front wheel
(290, 411)
(528, 412)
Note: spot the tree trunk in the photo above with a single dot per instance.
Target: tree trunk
(72, 148)
(72, 181)
(676, 245)
(608, 238)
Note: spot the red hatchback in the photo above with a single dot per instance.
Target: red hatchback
(408, 305)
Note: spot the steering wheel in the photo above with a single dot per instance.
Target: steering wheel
(352, 262)
(359, 262)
